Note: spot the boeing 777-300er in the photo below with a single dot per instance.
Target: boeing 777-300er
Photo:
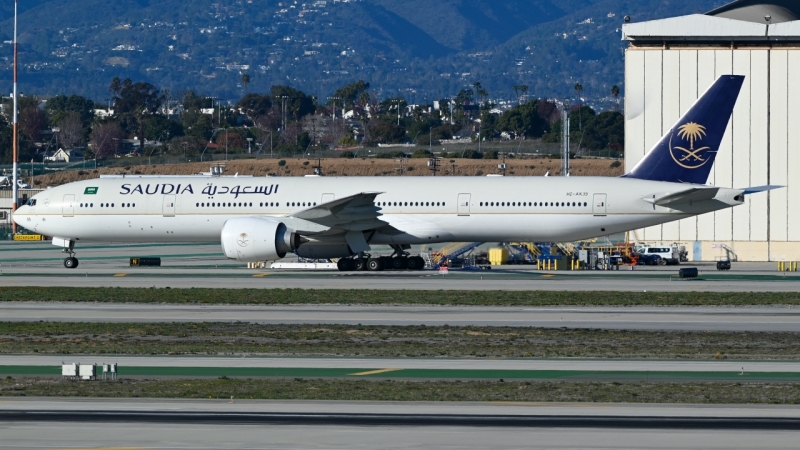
(263, 219)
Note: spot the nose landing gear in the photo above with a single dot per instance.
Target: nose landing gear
(68, 246)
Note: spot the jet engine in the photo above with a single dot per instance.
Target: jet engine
(253, 239)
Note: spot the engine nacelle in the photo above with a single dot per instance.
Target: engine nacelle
(254, 239)
(323, 250)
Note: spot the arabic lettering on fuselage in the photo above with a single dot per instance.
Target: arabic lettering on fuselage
(210, 189)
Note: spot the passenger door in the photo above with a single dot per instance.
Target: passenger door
(463, 204)
(169, 206)
(68, 208)
(599, 205)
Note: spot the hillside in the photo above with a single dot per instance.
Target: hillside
(347, 167)
(417, 48)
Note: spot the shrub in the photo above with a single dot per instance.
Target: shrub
(347, 154)
(615, 164)
(282, 162)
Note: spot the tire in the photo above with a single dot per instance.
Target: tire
(344, 264)
(360, 264)
(662, 262)
(70, 263)
(374, 265)
(400, 263)
(416, 263)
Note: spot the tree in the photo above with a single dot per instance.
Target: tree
(159, 127)
(524, 120)
(298, 104)
(71, 132)
(245, 80)
(139, 98)
(384, 131)
(60, 105)
(350, 93)
(31, 121)
(254, 105)
(136, 100)
(105, 139)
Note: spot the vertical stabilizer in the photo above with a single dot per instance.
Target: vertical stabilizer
(686, 153)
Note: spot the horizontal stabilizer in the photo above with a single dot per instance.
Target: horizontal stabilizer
(757, 189)
(682, 197)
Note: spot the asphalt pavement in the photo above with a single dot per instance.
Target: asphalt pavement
(246, 424)
(629, 318)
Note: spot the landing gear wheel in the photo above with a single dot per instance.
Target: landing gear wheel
(71, 262)
(360, 264)
(400, 263)
(416, 263)
(374, 265)
(344, 264)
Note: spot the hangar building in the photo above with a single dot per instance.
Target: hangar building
(669, 63)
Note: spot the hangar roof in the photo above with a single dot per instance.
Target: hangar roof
(705, 28)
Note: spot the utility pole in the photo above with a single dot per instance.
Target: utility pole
(15, 140)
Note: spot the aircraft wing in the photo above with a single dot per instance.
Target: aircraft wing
(686, 196)
(353, 213)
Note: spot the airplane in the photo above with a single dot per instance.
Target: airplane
(264, 218)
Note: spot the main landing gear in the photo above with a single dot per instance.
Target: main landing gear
(380, 263)
(400, 260)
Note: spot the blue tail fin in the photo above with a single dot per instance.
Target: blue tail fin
(686, 153)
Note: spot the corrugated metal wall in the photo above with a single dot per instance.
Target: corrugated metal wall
(761, 146)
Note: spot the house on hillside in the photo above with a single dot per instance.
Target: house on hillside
(66, 155)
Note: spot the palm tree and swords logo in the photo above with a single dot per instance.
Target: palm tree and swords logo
(690, 158)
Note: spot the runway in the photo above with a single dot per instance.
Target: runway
(629, 318)
(143, 423)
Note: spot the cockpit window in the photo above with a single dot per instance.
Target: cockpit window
(31, 202)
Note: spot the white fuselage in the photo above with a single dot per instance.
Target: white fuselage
(425, 209)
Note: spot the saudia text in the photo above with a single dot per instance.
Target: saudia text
(209, 190)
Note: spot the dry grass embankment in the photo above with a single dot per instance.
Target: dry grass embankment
(404, 390)
(347, 167)
(241, 338)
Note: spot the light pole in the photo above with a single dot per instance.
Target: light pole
(15, 140)
(283, 109)
(397, 103)
(334, 115)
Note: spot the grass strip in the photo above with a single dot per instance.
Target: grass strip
(238, 338)
(393, 297)
(404, 390)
